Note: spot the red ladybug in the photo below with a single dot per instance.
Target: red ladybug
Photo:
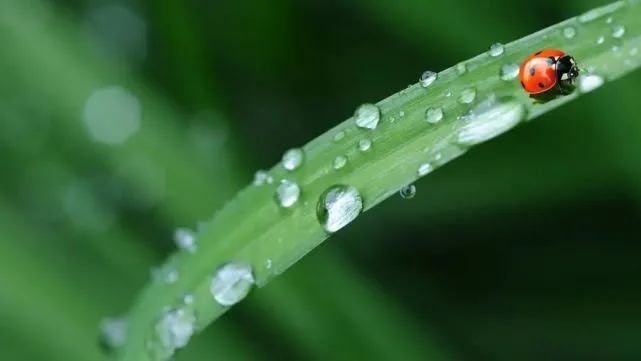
(547, 70)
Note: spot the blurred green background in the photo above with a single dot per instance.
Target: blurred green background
(121, 120)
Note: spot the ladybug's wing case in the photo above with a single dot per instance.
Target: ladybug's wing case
(537, 74)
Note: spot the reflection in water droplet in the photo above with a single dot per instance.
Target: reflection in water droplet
(433, 115)
(490, 120)
(427, 78)
(408, 192)
(509, 71)
(231, 283)
(367, 116)
(467, 96)
(569, 32)
(339, 162)
(424, 169)
(338, 206)
(588, 83)
(364, 145)
(618, 31)
(287, 193)
(293, 158)
(496, 49)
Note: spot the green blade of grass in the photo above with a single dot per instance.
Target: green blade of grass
(477, 104)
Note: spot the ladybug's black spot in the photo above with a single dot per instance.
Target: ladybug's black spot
(541, 85)
(532, 71)
(523, 84)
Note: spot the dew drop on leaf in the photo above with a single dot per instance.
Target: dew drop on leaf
(339, 162)
(407, 192)
(427, 78)
(364, 145)
(509, 71)
(287, 193)
(293, 158)
(367, 116)
(434, 115)
(338, 206)
(424, 169)
(496, 49)
(588, 83)
(489, 120)
(467, 96)
(231, 283)
(618, 31)
(569, 32)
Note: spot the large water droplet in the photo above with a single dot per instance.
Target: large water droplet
(569, 32)
(467, 96)
(367, 116)
(509, 71)
(424, 169)
(174, 329)
(231, 283)
(287, 193)
(496, 49)
(113, 332)
(364, 145)
(185, 239)
(489, 120)
(338, 206)
(427, 78)
(339, 162)
(261, 177)
(407, 192)
(618, 31)
(293, 158)
(433, 115)
(588, 83)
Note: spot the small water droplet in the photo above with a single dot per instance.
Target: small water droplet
(185, 239)
(364, 145)
(293, 158)
(461, 68)
(448, 94)
(401, 113)
(569, 32)
(427, 78)
(408, 191)
(433, 115)
(188, 299)
(618, 31)
(496, 49)
(424, 169)
(287, 193)
(589, 16)
(608, 20)
(113, 332)
(615, 48)
(340, 135)
(392, 119)
(338, 206)
(509, 71)
(268, 263)
(174, 330)
(261, 178)
(367, 116)
(467, 96)
(588, 83)
(231, 283)
(171, 276)
(600, 40)
(339, 162)
(489, 120)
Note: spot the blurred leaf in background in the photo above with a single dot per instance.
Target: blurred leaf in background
(121, 120)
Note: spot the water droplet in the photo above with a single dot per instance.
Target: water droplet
(268, 263)
(340, 135)
(113, 332)
(600, 40)
(448, 94)
(461, 68)
(433, 115)
(569, 32)
(185, 239)
(467, 96)
(509, 71)
(231, 283)
(496, 49)
(588, 83)
(364, 145)
(188, 298)
(339, 162)
(401, 113)
(615, 48)
(489, 120)
(367, 116)
(424, 169)
(261, 178)
(618, 31)
(608, 20)
(287, 193)
(338, 206)
(407, 192)
(427, 78)
(293, 158)
(171, 276)
(174, 329)
(589, 16)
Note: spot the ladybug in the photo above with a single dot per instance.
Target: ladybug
(548, 70)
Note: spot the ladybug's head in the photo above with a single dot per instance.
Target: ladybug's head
(567, 70)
